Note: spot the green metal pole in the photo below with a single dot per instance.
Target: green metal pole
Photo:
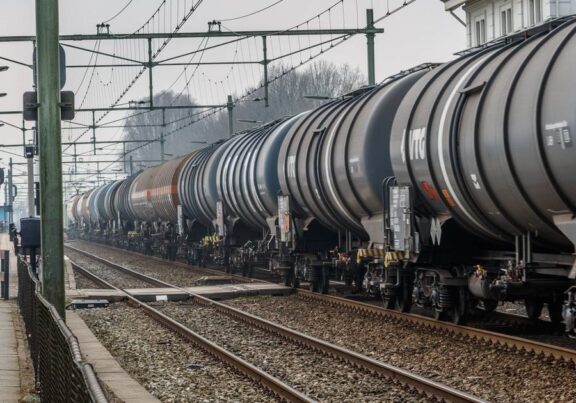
(10, 195)
(162, 146)
(75, 161)
(23, 133)
(6, 203)
(131, 166)
(124, 154)
(48, 79)
(370, 45)
(94, 131)
(265, 63)
(150, 87)
(230, 108)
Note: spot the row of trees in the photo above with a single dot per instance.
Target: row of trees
(286, 98)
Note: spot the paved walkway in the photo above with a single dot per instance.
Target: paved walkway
(11, 338)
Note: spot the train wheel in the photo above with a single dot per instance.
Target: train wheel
(490, 305)
(555, 311)
(389, 302)
(460, 309)
(533, 308)
(291, 279)
(315, 278)
(325, 282)
(440, 314)
(287, 276)
(403, 298)
(348, 279)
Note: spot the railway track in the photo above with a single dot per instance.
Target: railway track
(427, 387)
(426, 323)
(190, 273)
(273, 385)
(496, 319)
(474, 333)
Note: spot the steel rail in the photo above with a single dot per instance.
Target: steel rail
(518, 343)
(272, 384)
(429, 388)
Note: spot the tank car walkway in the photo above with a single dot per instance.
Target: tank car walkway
(15, 371)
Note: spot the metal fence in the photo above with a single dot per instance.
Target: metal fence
(61, 374)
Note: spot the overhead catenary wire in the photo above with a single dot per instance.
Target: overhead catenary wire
(207, 113)
(195, 4)
(191, 79)
(394, 11)
(252, 13)
(118, 13)
(327, 10)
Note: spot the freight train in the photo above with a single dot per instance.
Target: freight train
(449, 186)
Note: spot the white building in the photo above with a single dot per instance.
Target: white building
(487, 20)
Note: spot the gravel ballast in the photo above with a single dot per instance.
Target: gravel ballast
(113, 276)
(486, 371)
(164, 271)
(170, 368)
(84, 283)
(314, 374)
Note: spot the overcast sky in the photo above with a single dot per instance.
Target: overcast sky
(422, 32)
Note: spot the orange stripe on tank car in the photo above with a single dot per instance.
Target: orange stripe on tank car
(448, 198)
(166, 190)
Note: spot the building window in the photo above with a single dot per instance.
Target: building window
(480, 27)
(506, 21)
(535, 9)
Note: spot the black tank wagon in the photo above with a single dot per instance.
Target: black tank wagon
(446, 186)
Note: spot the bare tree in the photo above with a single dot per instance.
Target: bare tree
(286, 97)
(162, 125)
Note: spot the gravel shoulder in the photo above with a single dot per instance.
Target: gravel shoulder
(495, 374)
(170, 368)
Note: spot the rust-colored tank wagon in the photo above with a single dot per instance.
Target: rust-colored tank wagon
(154, 193)
(164, 192)
(139, 196)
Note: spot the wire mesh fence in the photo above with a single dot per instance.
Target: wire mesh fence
(61, 374)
